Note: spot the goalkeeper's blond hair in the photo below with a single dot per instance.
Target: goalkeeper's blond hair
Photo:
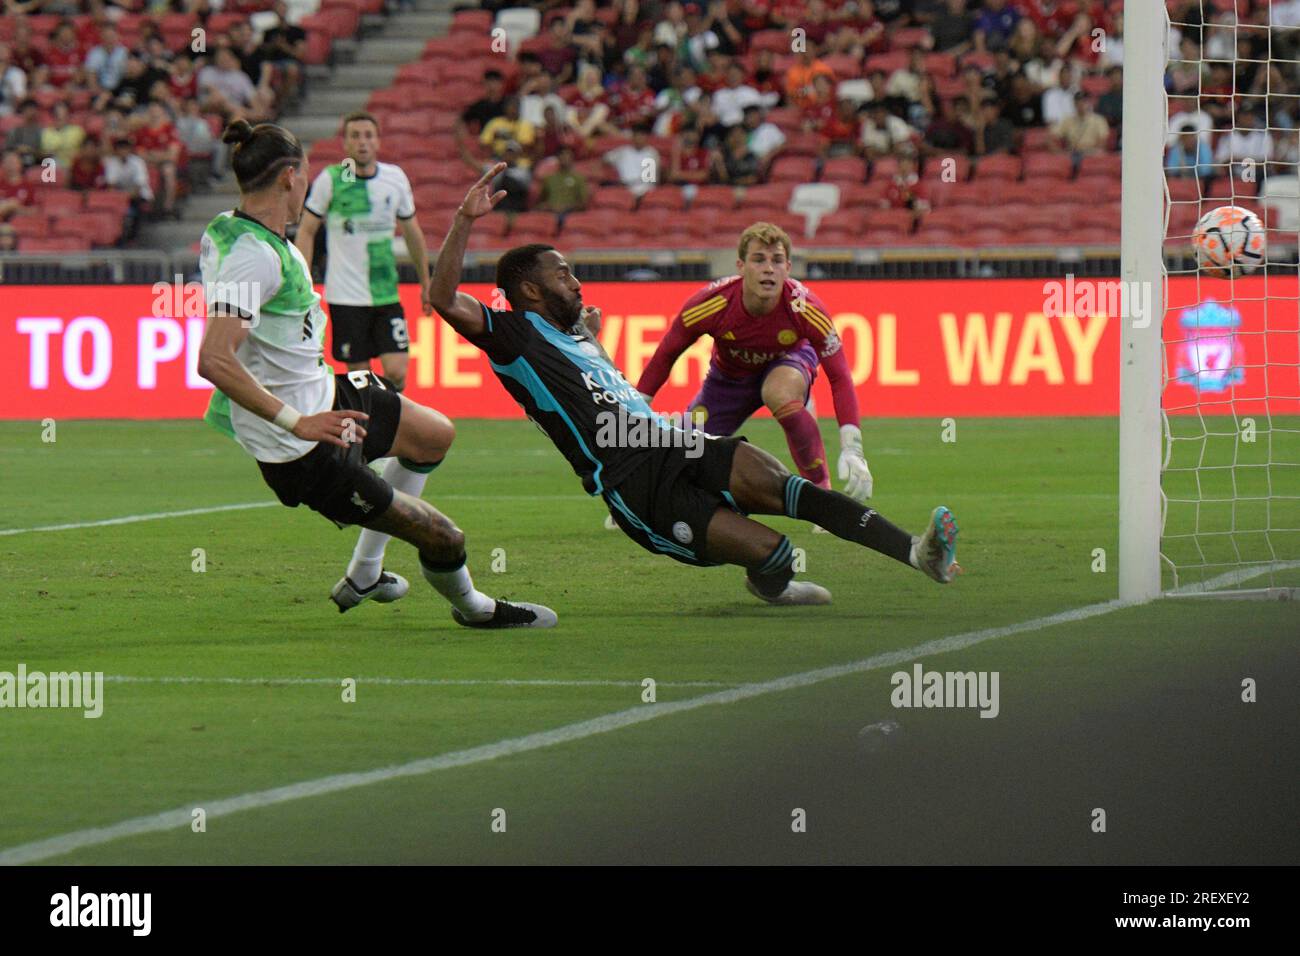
(764, 234)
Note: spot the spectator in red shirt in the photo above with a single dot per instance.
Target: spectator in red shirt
(25, 56)
(88, 166)
(15, 191)
(182, 78)
(158, 145)
(633, 103)
(63, 59)
(870, 29)
(554, 135)
(767, 78)
(840, 135)
(557, 56)
(906, 191)
(820, 109)
(589, 111)
(688, 163)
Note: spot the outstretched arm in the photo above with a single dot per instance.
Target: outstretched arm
(671, 346)
(461, 311)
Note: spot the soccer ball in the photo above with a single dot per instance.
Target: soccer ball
(1229, 242)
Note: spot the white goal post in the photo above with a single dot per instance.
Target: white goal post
(1209, 485)
(1142, 261)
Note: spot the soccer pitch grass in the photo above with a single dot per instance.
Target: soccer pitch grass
(237, 704)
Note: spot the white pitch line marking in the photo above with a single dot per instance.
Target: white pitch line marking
(132, 519)
(159, 515)
(406, 681)
(181, 817)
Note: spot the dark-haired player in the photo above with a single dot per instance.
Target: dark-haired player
(313, 432)
(361, 202)
(693, 508)
(769, 333)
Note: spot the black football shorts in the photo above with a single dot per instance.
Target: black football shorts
(338, 482)
(359, 333)
(666, 504)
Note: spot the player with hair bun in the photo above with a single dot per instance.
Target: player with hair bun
(311, 431)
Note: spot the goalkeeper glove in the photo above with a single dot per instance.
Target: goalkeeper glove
(853, 466)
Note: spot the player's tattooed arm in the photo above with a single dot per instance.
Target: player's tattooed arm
(463, 312)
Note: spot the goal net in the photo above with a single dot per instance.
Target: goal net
(1216, 508)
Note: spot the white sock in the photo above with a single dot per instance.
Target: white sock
(458, 588)
(912, 557)
(368, 556)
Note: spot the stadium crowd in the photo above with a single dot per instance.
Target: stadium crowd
(918, 110)
(921, 109)
(125, 102)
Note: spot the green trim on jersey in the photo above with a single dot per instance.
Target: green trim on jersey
(349, 199)
(295, 295)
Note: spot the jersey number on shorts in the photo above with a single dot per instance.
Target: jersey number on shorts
(399, 332)
(361, 378)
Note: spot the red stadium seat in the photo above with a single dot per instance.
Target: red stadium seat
(664, 197)
(1101, 164)
(985, 238)
(1001, 191)
(1100, 187)
(1229, 189)
(714, 197)
(1000, 166)
(931, 235)
(1037, 139)
(1038, 237)
(844, 65)
(850, 219)
(611, 197)
(844, 169)
(951, 219)
(1108, 216)
(55, 201)
(479, 19)
(834, 237)
(801, 143)
(778, 41)
(908, 37)
(54, 244)
(887, 62)
(1093, 236)
(893, 220)
(884, 168)
(1046, 217)
(785, 117)
(30, 227)
(108, 200)
(1048, 166)
(862, 194)
(940, 64)
(1184, 188)
(765, 196)
(588, 239)
(965, 195)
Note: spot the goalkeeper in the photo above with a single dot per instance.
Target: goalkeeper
(769, 335)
